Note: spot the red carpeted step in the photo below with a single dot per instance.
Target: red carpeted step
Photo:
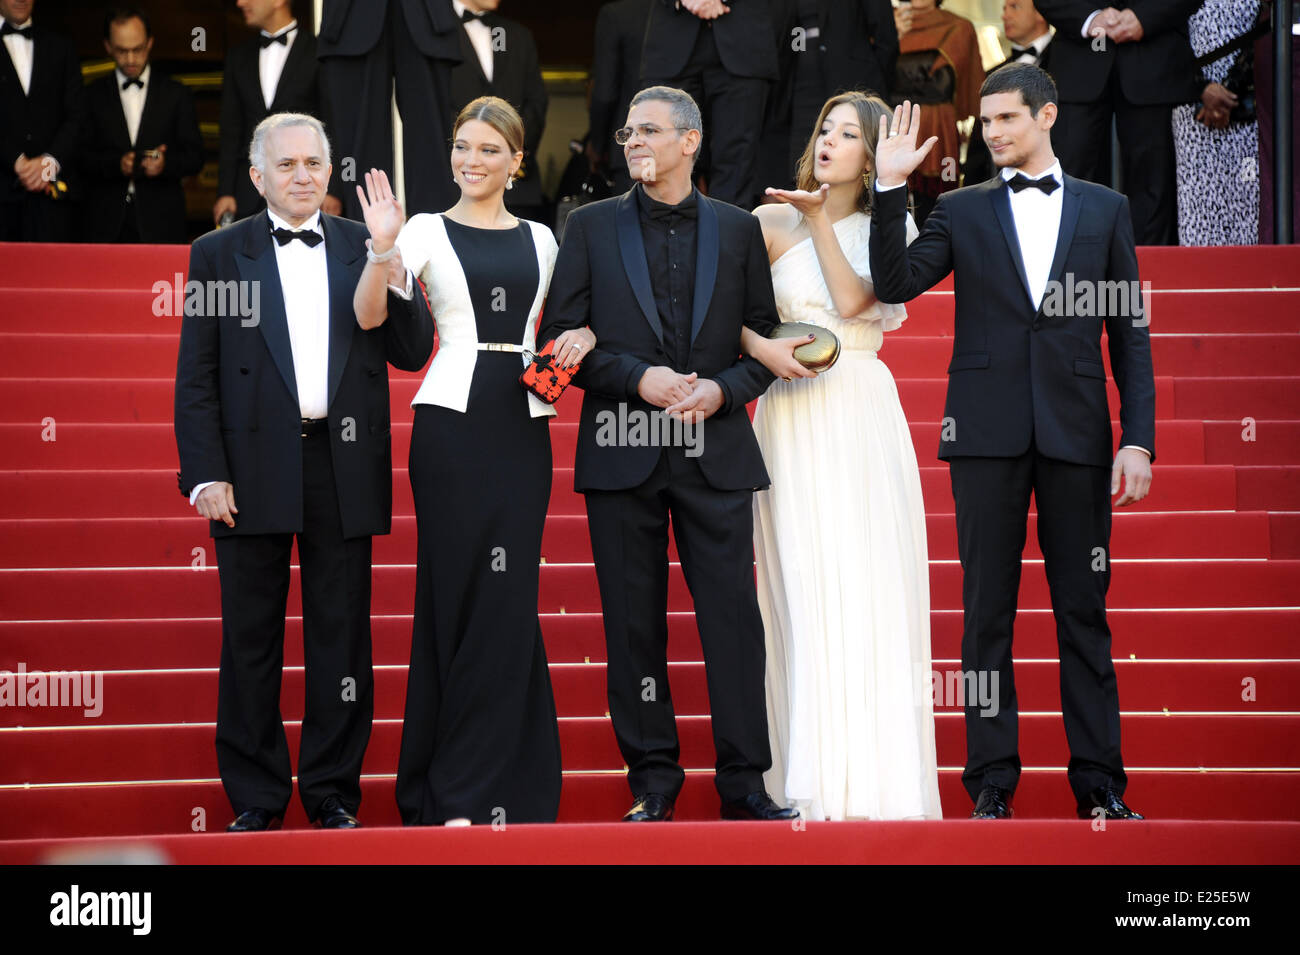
(45, 264)
(1252, 442)
(149, 808)
(1268, 488)
(572, 638)
(1284, 533)
(172, 697)
(81, 593)
(1232, 399)
(42, 444)
(171, 542)
(117, 753)
(1240, 267)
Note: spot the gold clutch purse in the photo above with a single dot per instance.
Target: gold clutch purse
(820, 353)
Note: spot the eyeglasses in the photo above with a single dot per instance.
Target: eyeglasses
(644, 130)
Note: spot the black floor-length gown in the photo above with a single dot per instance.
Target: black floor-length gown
(480, 739)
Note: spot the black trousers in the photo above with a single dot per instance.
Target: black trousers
(732, 107)
(357, 95)
(36, 218)
(1073, 502)
(252, 752)
(1146, 145)
(714, 532)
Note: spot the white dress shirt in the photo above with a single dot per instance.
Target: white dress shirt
(20, 51)
(1038, 225)
(132, 98)
(304, 286)
(270, 62)
(480, 37)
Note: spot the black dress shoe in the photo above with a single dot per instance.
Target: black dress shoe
(757, 805)
(255, 820)
(992, 804)
(1108, 800)
(652, 807)
(334, 815)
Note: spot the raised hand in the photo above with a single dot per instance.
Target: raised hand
(897, 155)
(809, 204)
(382, 212)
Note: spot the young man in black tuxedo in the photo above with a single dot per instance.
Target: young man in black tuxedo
(1031, 42)
(724, 55)
(273, 72)
(371, 49)
(142, 139)
(667, 278)
(41, 106)
(499, 58)
(1026, 412)
(282, 425)
(1131, 61)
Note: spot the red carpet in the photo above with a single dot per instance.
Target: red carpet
(104, 568)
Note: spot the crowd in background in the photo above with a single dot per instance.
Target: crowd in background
(1187, 93)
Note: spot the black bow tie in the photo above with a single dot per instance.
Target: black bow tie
(659, 210)
(1022, 50)
(467, 15)
(135, 82)
(1047, 184)
(283, 39)
(8, 28)
(310, 239)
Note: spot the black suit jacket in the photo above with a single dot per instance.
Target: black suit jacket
(168, 118)
(242, 108)
(601, 279)
(615, 72)
(857, 40)
(1018, 374)
(354, 27)
(237, 412)
(1159, 68)
(745, 39)
(48, 117)
(517, 79)
(979, 162)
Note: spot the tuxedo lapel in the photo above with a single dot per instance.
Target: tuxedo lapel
(632, 249)
(706, 262)
(293, 64)
(344, 273)
(999, 196)
(147, 134)
(121, 133)
(1070, 204)
(256, 263)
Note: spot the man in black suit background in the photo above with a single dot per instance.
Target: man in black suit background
(1131, 61)
(1026, 412)
(499, 58)
(282, 426)
(370, 49)
(273, 72)
(724, 56)
(142, 138)
(40, 116)
(1031, 42)
(615, 79)
(667, 278)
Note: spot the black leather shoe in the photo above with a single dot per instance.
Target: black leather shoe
(757, 805)
(992, 804)
(334, 815)
(255, 820)
(1107, 799)
(652, 807)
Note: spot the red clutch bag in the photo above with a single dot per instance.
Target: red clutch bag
(544, 378)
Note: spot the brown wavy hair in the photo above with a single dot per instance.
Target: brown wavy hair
(498, 114)
(870, 108)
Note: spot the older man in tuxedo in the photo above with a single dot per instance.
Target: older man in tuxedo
(282, 424)
(41, 106)
(1026, 412)
(142, 139)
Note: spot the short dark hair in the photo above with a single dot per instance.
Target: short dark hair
(122, 14)
(1035, 85)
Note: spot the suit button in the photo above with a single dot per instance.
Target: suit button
(243, 371)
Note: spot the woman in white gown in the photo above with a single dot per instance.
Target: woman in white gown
(839, 538)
